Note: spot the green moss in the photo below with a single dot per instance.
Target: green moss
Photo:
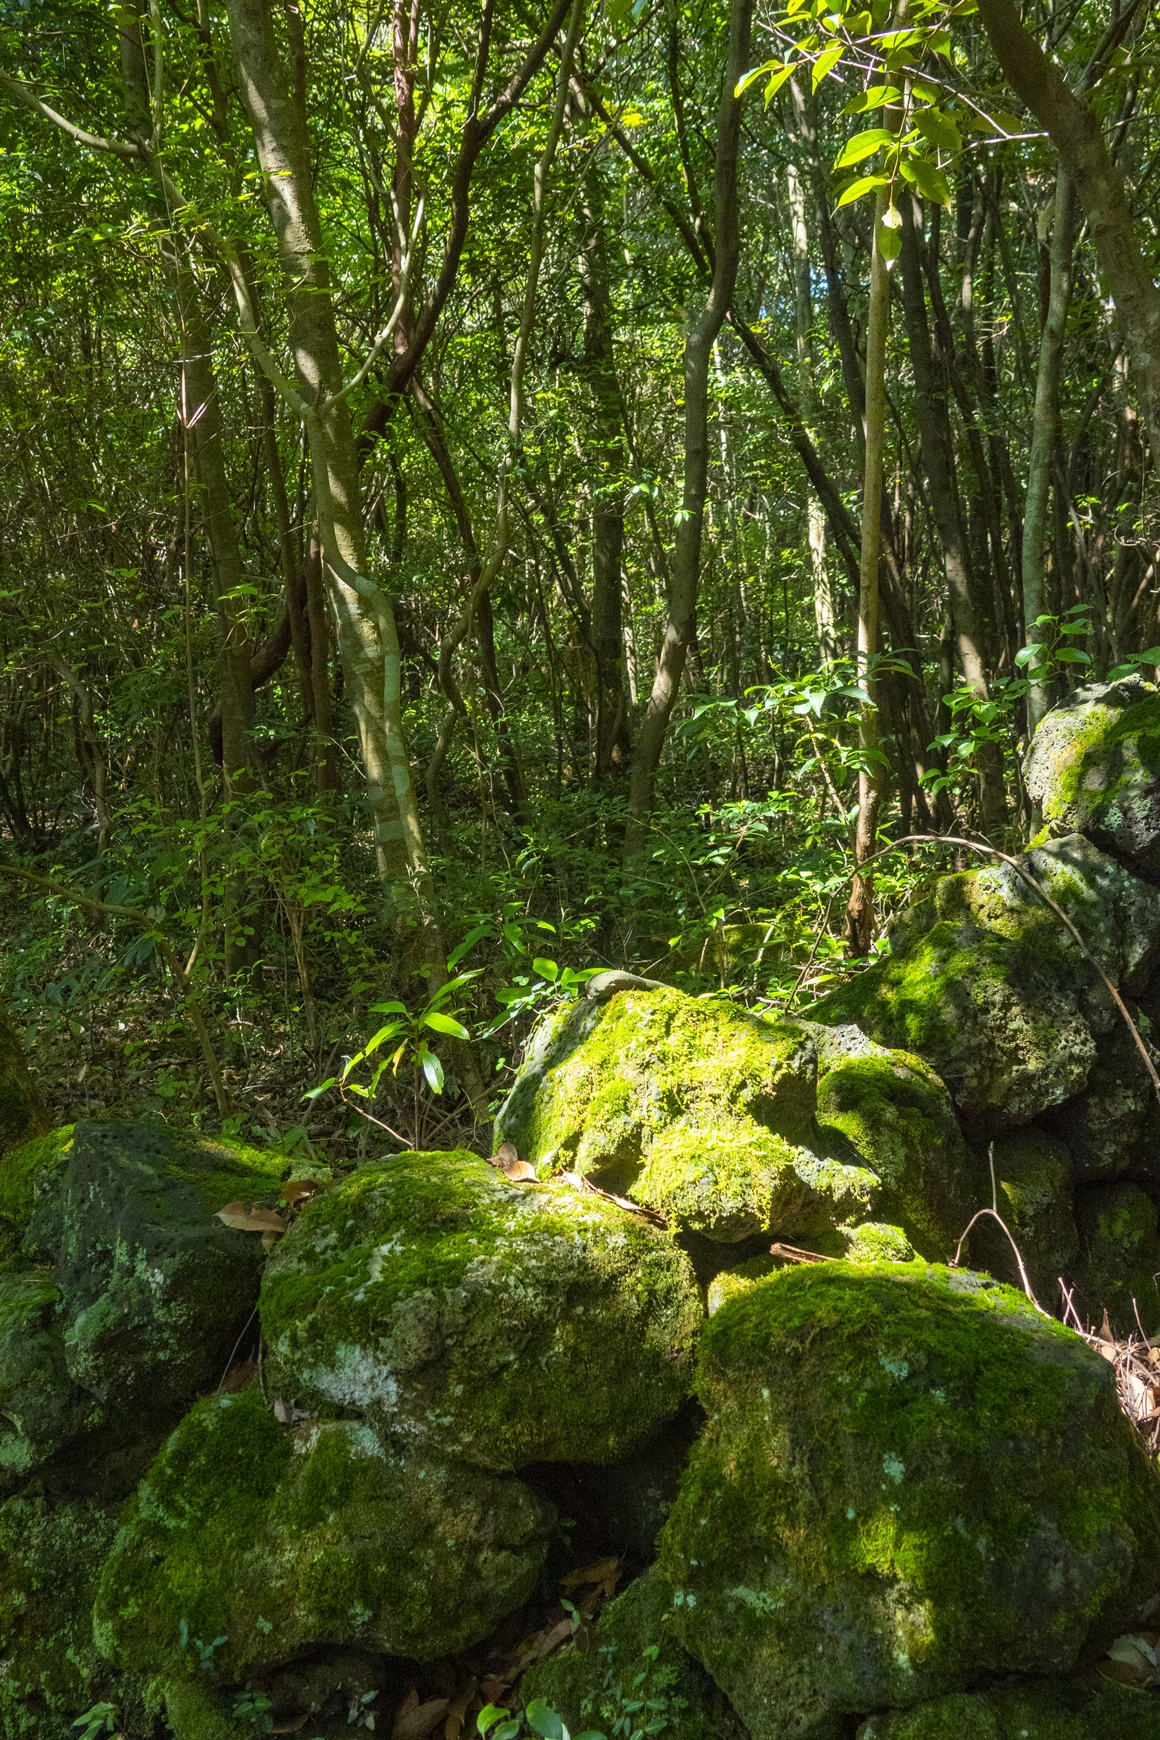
(1088, 1708)
(22, 1112)
(285, 1541)
(878, 1242)
(634, 1658)
(1033, 1178)
(41, 1408)
(503, 1323)
(19, 1168)
(1120, 1256)
(49, 1562)
(197, 1711)
(896, 1112)
(912, 1460)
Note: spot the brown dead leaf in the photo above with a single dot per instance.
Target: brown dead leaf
(293, 1725)
(598, 1572)
(518, 1172)
(287, 1414)
(299, 1191)
(504, 1154)
(1123, 1675)
(457, 1710)
(418, 1721)
(577, 1181)
(252, 1217)
(238, 1377)
(492, 1688)
(794, 1254)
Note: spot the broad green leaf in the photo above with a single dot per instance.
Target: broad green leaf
(547, 969)
(862, 145)
(445, 1024)
(432, 1069)
(545, 1721)
(892, 218)
(825, 64)
(939, 129)
(930, 181)
(866, 184)
(390, 1031)
(1071, 655)
(779, 78)
(753, 75)
(876, 98)
(388, 1008)
(889, 242)
(489, 1716)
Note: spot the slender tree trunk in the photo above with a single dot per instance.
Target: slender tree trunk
(599, 370)
(1045, 429)
(938, 464)
(1075, 132)
(860, 920)
(807, 393)
(680, 626)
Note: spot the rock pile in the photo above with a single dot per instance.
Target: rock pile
(868, 1494)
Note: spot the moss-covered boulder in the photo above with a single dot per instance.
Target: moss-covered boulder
(23, 1114)
(1082, 1708)
(1033, 1181)
(713, 1117)
(1094, 768)
(41, 1407)
(49, 1561)
(20, 1168)
(1119, 1267)
(501, 1323)
(281, 1541)
(154, 1289)
(986, 985)
(909, 1479)
(633, 1659)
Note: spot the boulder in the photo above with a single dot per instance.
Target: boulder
(910, 1479)
(501, 1323)
(724, 1122)
(1119, 1267)
(1033, 1181)
(1093, 768)
(1083, 1708)
(986, 985)
(154, 1289)
(279, 1541)
(633, 1660)
(49, 1561)
(20, 1168)
(41, 1407)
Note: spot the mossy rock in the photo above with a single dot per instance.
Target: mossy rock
(49, 1562)
(1082, 1708)
(711, 1116)
(1033, 1179)
(633, 1658)
(1119, 1268)
(20, 1167)
(1113, 1127)
(284, 1541)
(986, 985)
(897, 1114)
(909, 1479)
(41, 1408)
(154, 1290)
(23, 1114)
(1093, 768)
(502, 1323)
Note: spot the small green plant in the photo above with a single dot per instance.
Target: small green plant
(412, 1033)
(361, 1715)
(254, 1707)
(101, 1719)
(205, 1651)
(539, 1719)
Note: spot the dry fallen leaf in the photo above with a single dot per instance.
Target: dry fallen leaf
(457, 1711)
(252, 1217)
(238, 1376)
(492, 1688)
(1123, 1675)
(299, 1191)
(794, 1254)
(598, 1572)
(287, 1414)
(585, 1186)
(418, 1721)
(293, 1725)
(505, 1153)
(519, 1172)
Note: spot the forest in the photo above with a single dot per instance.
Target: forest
(580, 836)
(437, 561)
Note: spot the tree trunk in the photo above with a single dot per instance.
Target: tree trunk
(680, 626)
(807, 394)
(1045, 430)
(1075, 132)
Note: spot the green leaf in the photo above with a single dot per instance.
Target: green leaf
(889, 241)
(752, 76)
(862, 145)
(876, 98)
(489, 1716)
(929, 180)
(892, 218)
(778, 80)
(544, 1721)
(390, 1031)
(547, 969)
(432, 1069)
(1071, 655)
(445, 1024)
(938, 128)
(866, 184)
(388, 1008)
(825, 64)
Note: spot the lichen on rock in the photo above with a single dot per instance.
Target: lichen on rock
(909, 1477)
(504, 1323)
(284, 1540)
(1082, 1708)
